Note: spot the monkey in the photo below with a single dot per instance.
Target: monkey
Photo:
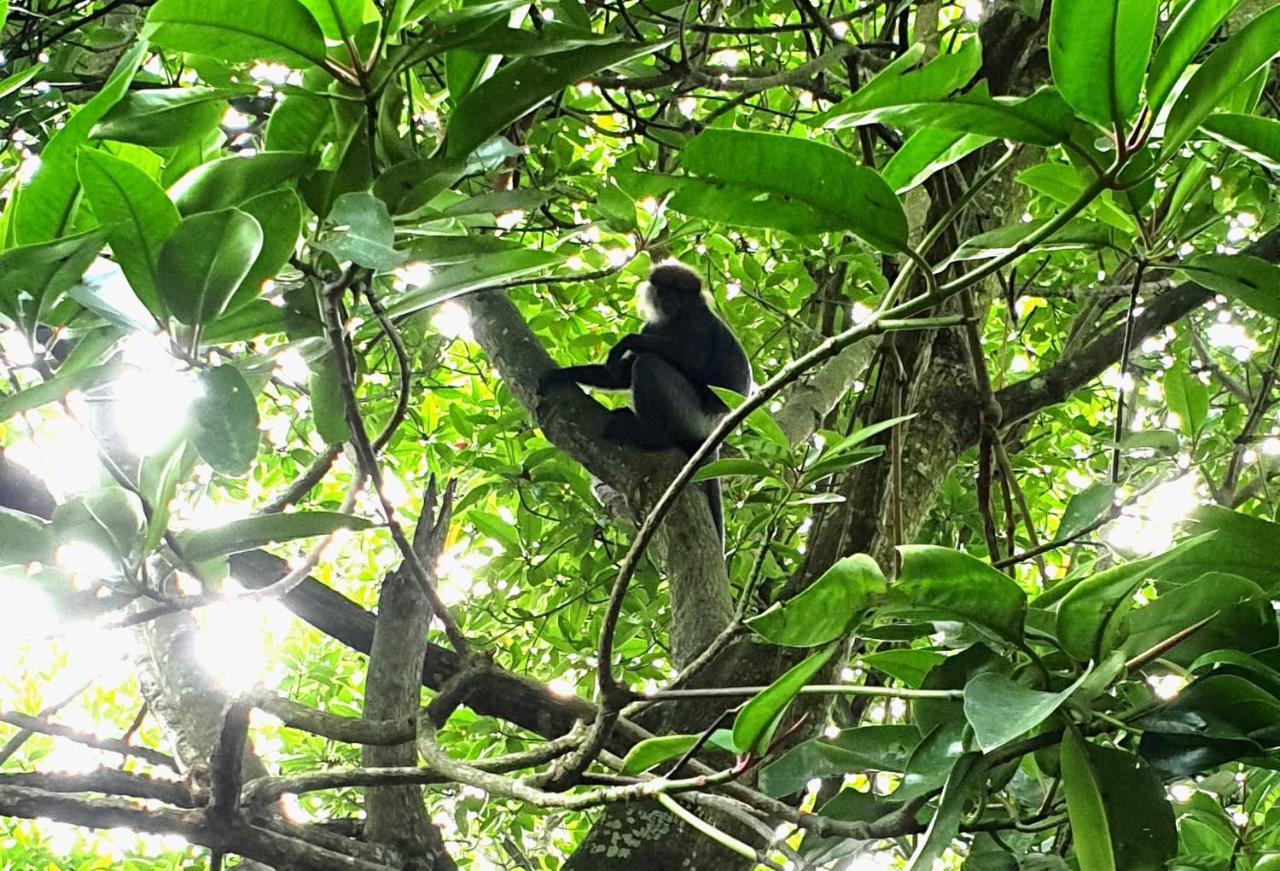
(670, 366)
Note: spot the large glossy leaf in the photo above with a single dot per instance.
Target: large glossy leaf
(1000, 710)
(754, 726)
(932, 761)
(1187, 397)
(667, 748)
(227, 421)
(522, 86)
(791, 169)
(1196, 22)
(45, 206)
(339, 19)
(166, 116)
(1241, 612)
(24, 539)
(136, 215)
(906, 81)
(1217, 718)
(1092, 617)
(925, 152)
(1119, 814)
(1041, 119)
(231, 30)
(327, 407)
(1246, 52)
(940, 583)
(159, 475)
(108, 518)
(734, 205)
(44, 271)
(279, 214)
(859, 749)
(490, 271)
(1251, 280)
(231, 181)
(363, 232)
(1085, 509)
(408, 186)
(963, 781)
(1076, 233)
(1064, 184)
(1255, 137)
(825, 610)
(253, 532)
(203, 262)
(1098, 51)
(57, 387)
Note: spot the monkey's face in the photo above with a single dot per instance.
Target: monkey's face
(670, 289)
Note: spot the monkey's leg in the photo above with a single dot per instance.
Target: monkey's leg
(672, 412)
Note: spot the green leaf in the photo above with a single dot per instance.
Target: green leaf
(301, 120)
(862, 748)
(1217, 718)
(734, 205)
(1041, 119)
(1251, 280)
(203, 262)
(861, 434)
(166, 116)
(363, 232)
(525, 84)
(655, 751)
(231, 181)
(1085, 809)
(44, 271)
(227, 418)
(233, 31)
(927, 151)
(1186, 397)
(339, 19)
(940, 583)
(731, 466)
(825, 610)
(253, 532)
(1000, 710)
(482, 272)
(905, 81)
(58, 387)
(908, 665)
(754, 726)
(46, 205)
(1077, 233)
(963, 781)
(327, 406)
(158, 478)
(1061, 182)
(1120, 817)
(1256, 138)
(1241, 612)
(523, 199)
(842, 193)
(109, 518)
(136, 216)
(279, 214)
(24, 539)
(1196, 22)
(1092, 617)
(408, 186)
(1231, 64)
(1098, 52)
(1085, 509)
(932, 761)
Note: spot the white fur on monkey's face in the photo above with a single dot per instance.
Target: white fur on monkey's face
(647, 303)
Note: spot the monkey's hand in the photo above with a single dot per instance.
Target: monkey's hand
(617, 359)
(552, 379)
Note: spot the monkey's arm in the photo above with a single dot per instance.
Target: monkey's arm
(599, 375)
(685, 352)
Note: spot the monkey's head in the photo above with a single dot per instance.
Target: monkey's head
(671, 288)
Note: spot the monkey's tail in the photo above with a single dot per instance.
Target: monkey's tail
(715, 499)
(716, 502)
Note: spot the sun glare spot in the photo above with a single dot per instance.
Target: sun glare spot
(452, 321)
